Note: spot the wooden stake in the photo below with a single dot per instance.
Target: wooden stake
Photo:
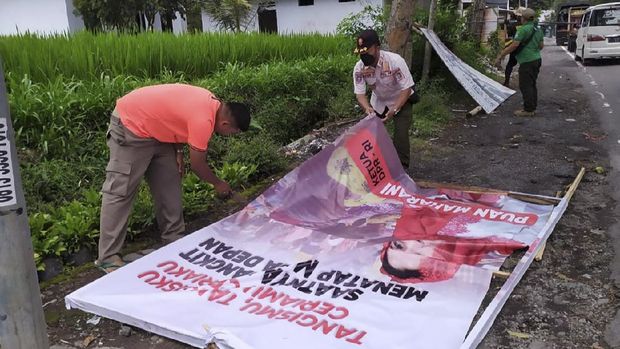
(467, 188)
(571, 190)
(501, 274)
(473, 112)
(539, 255)
(575, 184)
(531, 198)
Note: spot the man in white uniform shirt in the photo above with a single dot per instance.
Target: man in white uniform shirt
(388, 77)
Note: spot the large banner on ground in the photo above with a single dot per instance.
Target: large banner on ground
(346, 251)
(487, 92)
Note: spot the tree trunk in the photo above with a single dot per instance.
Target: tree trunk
(166, 22)
(428, 49)
(476, 19)
(398, 31)
(194, 19)
(150, 19)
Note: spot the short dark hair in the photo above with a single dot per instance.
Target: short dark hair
(401, 274)
(367, 38)
(240, 114)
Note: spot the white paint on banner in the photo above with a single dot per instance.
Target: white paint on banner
(487, 92)
(7, 179)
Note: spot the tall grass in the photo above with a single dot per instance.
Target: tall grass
(87, 56)
(66, 118)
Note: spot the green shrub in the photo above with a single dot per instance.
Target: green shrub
(45, 242)
(198, 196)
(236, 174)
(431, 112)
(57, 181)
(494, 46)
(287, 118)
(288, 100)
(343, 105)
(78, 222)
(143, 213)
(374, 17)
(65, 229)
(258, 150)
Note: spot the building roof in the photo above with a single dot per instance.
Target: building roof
(497, 3)
(572, 3)
(604, 5)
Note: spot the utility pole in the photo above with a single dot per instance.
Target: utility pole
(428, 49)
(22, 325)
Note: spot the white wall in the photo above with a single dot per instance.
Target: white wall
(41, 16)
(157, 22)
(75, 22)
(490, 22)
(179, 25)
(322, 17)
(208, 25)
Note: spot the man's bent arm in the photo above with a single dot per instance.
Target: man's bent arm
(508, 50)
(200, 166)
(363, 101)
(403, 96)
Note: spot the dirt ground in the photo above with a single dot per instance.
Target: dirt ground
(564, 301)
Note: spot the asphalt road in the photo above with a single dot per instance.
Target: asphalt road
(601, 81)
(601, 84)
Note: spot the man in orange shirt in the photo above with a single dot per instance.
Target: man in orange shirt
(147, 132)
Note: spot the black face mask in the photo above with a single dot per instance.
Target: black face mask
(367, 59)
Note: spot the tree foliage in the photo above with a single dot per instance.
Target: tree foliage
(232, 15)
(374, 17)
(131, 15)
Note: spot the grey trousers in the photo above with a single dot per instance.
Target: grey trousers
(132, 158)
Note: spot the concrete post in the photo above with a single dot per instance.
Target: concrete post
(22, 324)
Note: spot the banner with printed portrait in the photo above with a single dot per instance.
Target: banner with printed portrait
(345, 251)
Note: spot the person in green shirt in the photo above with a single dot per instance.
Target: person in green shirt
(528, 42)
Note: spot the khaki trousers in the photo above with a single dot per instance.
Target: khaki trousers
(132, 158)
